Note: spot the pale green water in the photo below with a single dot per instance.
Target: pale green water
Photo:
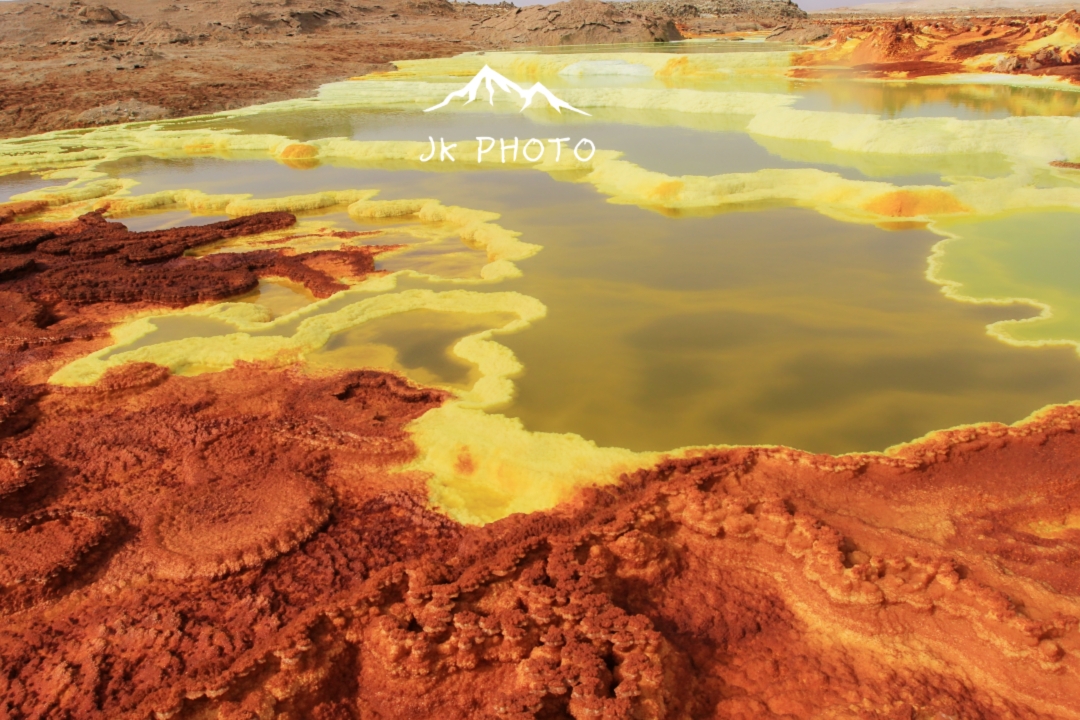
(776, 326)
(769, 324)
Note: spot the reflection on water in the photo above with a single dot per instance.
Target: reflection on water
(676, 150)
(446, 258)
(1030, 256)
(417, 344)
(777, 326)
(165, 220)
(911, 99)
(19, 183)
(214, 176)
(179, 327)
(280, 297)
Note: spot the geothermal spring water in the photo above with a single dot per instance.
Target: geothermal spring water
(744, 259)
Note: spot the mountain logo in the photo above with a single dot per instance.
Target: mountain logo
(491, 79)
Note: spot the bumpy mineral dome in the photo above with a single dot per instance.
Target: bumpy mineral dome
(45, 552)
(220, 527)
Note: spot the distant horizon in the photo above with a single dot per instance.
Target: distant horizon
(808, 5)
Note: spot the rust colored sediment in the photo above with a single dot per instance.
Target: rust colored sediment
(244, 544)
(91, 260)
(237, 545)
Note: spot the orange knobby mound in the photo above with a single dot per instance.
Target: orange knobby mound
(915, 203)
(300, 156)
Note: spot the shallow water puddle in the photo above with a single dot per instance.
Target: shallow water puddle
(417, 344)
(280, 297)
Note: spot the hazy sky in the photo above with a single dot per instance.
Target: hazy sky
(812, 5)
(804, 4)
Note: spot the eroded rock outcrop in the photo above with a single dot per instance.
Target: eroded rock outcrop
(800, 35)
(705, 17)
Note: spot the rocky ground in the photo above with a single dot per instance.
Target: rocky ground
(711, 17)
(947, 8)
(69, 65)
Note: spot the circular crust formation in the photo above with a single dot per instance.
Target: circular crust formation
(224, 527)
(46, 552)
(16, 472)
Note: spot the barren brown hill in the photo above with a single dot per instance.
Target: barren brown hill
(699, 17)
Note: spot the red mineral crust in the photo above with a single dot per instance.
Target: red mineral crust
(191, 519)
(91, 260)
(243, 545)
(746, 583)
(63, 284)
(934, 46)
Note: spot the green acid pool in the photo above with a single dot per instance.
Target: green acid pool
(744, 259)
